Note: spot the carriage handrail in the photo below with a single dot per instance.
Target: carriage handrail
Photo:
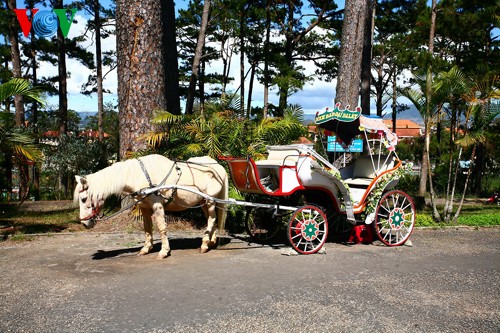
(230, 201)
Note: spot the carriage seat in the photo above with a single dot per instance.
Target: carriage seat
(280, 158)
(362, 173)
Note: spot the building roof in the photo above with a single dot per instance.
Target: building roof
(92, 134)
(405, 128)
(88, 133)
(304, 140)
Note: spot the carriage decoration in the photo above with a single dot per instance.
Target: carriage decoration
(350, 188)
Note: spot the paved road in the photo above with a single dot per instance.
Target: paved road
(447, 282)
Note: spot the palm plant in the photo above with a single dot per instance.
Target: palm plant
(479, 113)
(427, 102)
(15, 142)
(223, 130)
(14, 139)
(472, 93)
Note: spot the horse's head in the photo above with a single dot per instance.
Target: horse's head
(90, 205)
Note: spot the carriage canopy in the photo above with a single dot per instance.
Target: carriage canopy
(348, 125)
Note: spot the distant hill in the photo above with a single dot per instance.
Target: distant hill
(410, 114)
(84, 118)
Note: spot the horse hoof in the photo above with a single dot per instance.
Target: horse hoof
(162, 255)
(143, 251)
(204, 249)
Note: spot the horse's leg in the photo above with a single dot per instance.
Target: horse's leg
(148, 231)
(159, 218)
(208, 238)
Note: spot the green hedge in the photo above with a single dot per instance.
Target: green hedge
(488, 219)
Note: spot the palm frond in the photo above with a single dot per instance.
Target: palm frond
(470, 139)
(294, 112)
(162, 117)
(18, 86)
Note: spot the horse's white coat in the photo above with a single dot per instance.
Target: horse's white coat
(201, 173)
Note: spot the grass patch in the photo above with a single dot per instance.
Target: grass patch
(20, 238)
(470, 215)
(35, 221)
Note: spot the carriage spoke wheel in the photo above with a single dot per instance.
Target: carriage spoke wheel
(307, 229)
(262, 225)
(394, 218)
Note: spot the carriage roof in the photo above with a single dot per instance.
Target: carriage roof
(347, 124)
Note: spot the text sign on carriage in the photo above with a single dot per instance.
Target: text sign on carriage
(356, 146)
(341, 115)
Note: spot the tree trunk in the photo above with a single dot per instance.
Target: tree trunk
(394, 102)
(170, 56)
(351, 50)
(16, 63)
(141, 77)
(98, 55)
(366, 64)
(435, 212)
(425, 164)
(250, 90)
(18, 99)
(197, 57)
(460, 205)
(201, 87)
(34, 116)
(478, 168)
(242, 59)
(448, 209)
(284, 88)
(427, 117)
(266, 60)
(63, 74)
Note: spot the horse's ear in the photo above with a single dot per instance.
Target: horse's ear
(82, 181)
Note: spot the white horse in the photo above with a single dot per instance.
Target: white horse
(202, 174)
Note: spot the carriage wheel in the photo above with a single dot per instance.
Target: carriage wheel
(262, 224)
(307, 229)
(394, 218)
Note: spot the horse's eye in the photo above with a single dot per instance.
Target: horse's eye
(84, 200)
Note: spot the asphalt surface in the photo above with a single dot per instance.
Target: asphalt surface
(447, 282)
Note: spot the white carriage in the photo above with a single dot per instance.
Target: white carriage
(298, 186)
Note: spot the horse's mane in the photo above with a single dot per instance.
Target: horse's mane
(108, 181)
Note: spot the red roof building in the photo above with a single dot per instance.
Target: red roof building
(405, 128)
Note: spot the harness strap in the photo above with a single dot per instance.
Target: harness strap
(143, 167)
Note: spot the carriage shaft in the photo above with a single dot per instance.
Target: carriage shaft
(230, 201)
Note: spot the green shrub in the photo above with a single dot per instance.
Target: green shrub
(479, 220)
(424, 220)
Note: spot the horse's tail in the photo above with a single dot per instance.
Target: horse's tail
(223, 195)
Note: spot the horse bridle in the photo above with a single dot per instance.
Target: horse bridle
(94, 215)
